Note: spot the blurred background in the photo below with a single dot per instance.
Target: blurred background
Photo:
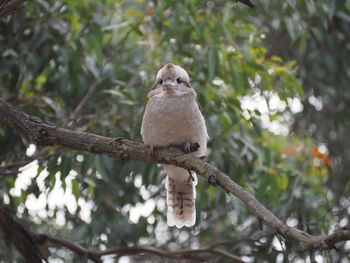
(273, 83)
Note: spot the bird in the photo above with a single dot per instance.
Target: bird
(173, 117)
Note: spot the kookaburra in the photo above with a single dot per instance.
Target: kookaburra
(172, 117)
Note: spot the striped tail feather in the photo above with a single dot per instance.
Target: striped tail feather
(181, 195)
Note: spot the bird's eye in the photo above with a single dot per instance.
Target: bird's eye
(160, 81)
(178, 80)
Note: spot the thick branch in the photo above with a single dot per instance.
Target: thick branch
(45, 134)
(27, 244)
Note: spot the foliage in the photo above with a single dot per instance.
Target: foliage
(316, 34)
(88, 66)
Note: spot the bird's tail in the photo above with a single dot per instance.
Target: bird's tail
(181, 195)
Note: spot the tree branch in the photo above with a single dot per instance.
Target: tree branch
(34, 247)
(13, 169)
(7, 7)
(96, 255)
(86, 97)
(247, 2)
(26, 243)
(46, 134)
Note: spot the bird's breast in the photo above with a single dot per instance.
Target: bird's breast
(172, 120)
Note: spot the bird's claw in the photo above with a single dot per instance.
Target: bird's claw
(187, 147)
(212, 180)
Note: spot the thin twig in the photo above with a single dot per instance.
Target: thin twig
(13, 168)
(247, 2)
(284, 248)
(96, 255)
(82, 103)
(312, 256)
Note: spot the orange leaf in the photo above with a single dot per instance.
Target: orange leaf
(321, 156)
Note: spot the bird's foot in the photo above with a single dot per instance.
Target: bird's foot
(187, 147)
(212, 180)
(203, 157)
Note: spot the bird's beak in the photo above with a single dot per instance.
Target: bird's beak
(169, 85)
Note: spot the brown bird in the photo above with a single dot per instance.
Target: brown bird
(172, 117)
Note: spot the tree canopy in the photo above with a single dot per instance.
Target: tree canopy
(272, 84)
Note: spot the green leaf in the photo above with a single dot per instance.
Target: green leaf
(76, 189)
(282, 181)
(213, 61)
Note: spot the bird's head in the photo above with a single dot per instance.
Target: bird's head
(172, 77)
